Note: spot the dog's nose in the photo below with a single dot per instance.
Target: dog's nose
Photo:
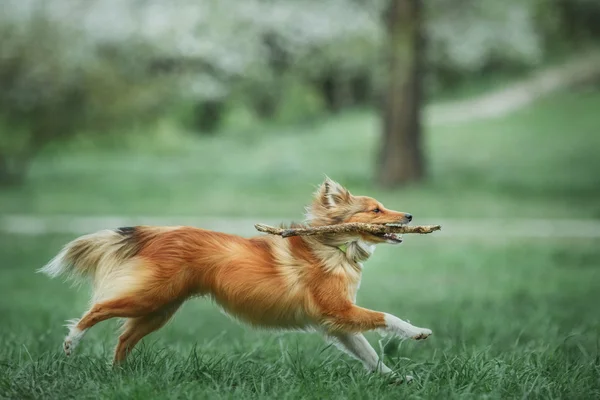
(408, 216)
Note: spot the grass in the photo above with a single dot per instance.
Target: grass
(540, 162)
(510, 320)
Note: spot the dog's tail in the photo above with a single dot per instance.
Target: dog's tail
(102, 250)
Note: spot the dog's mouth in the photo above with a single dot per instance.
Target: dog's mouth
(392, 238)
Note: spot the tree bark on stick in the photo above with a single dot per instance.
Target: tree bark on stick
(346, 228)
(401, 156)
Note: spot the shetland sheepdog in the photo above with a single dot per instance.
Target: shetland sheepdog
(143, 274)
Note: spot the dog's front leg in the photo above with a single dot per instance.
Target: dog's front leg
(349, 318)
(356, 345)
(402, 328)
(346, 322)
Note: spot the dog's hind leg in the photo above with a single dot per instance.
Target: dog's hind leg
(135, 329)
(130, 306)
(356, 345)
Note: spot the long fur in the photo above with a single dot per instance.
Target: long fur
(145, 273)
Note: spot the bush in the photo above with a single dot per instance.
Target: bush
(55, 86)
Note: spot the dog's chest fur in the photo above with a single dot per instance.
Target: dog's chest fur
(357, 253)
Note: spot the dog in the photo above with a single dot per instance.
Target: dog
(143, 274)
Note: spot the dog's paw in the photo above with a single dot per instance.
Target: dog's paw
(421, 333)
(395, 379)
(68, 346)
(71, 341)
(73, 337)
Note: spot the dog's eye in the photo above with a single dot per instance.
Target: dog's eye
(376, 210)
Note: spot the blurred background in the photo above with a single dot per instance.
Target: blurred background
(216, 108)
(481, 115)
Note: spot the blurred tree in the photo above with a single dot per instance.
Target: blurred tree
(401, 156)
(51, 91)
(34, 91)
(579, 19)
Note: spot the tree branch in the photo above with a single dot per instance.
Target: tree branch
(346, 228)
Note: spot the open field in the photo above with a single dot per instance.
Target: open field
(510, 320)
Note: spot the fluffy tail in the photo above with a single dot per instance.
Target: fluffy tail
(84, 255)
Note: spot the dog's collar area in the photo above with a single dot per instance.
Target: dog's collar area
(343, 247)
(360, 254)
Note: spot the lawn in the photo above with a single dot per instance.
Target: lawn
(510, 320)
(539, 162)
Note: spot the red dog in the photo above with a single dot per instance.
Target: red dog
(145, 273)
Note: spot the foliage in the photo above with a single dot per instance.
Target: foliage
(94, 67)
(261, 43)
(54, 86)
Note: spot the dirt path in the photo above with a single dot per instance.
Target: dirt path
(501, 102)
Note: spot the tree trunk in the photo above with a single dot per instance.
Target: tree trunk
(208, 115)
(401, 156)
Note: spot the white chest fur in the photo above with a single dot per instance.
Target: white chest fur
(367, 247)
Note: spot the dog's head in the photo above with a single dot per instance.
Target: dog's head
(334, 204)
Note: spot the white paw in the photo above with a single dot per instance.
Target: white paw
(405, 329)
(396, 379)
(72, 340)
(68, 346)
(420, 333)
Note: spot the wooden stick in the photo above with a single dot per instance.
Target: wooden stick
(346, 228)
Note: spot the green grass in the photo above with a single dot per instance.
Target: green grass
(510, 320)
(539, 162)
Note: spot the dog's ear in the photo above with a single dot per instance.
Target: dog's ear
(332, 194)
